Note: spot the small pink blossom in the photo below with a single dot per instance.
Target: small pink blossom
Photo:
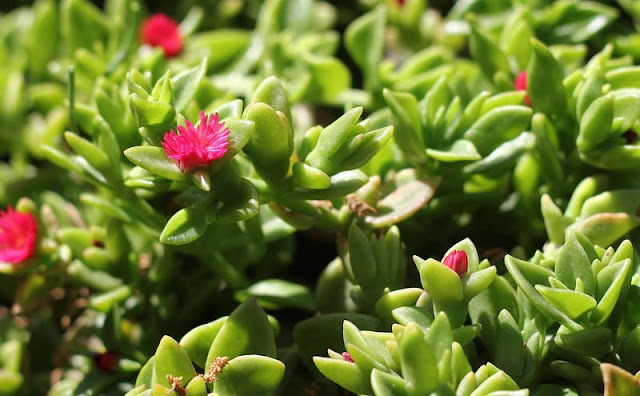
(18, 235)
(520, 84)
(197, 147)
(457, 261)
(161, 31)
(346, 356)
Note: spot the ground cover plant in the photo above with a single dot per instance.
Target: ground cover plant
(302, 197)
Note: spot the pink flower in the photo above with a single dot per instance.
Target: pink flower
(197, 147)
(521, 85)
(457, 261)
(18, 235)
(346, 356)
(161, 31)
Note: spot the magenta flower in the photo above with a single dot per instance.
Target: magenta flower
(18, 235)
(520, 84)
(161, 31)
(457, 261)
(197, 147)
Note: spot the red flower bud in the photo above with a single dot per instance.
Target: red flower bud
(346, 356)
(106, 361)
(630, 136)
(457, 261)
(520, 84)
(161, 31)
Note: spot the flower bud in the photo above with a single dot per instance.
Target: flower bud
(457, 261)
(106, 361)
(520, 84)
(346, 356)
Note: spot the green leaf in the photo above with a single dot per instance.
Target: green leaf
(486, 52)
(332, 138)
(587, 188)
(441, 282)
(197, 341)
(250, 375)
(229, 110)
(196, 387)
(145, 376)
(105, 301)
(514, 267)
(305, 176)
(278, 293)
(171, 359)
(473, 283)
(186, 225)
(154, 160)
(244, 205)
(417, 358)
(364, 40)
(363, 147)
(82, 24)
(271, 92)
(590, 90)
(223, 46)
(186, 83)
(461, 150)
(271, 143)
(572, 263)
(575, 22)
(346, 374)
(362, 260)
(498, 126)
(610, 282)
(573, 303)
(342, 183)
(595, 342)
(246, 331)
(418, 315)
(553, 220)
(629, 349)
(408, 128)
(604, 229)
(398, 298)
(439, 336)
(612, 201)
(546, 143)
(510, 354)
(329, 78)
(151, 113)
(385, 384)
(595, 125)
(94, 156)
(315, 335)
(544, 83)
